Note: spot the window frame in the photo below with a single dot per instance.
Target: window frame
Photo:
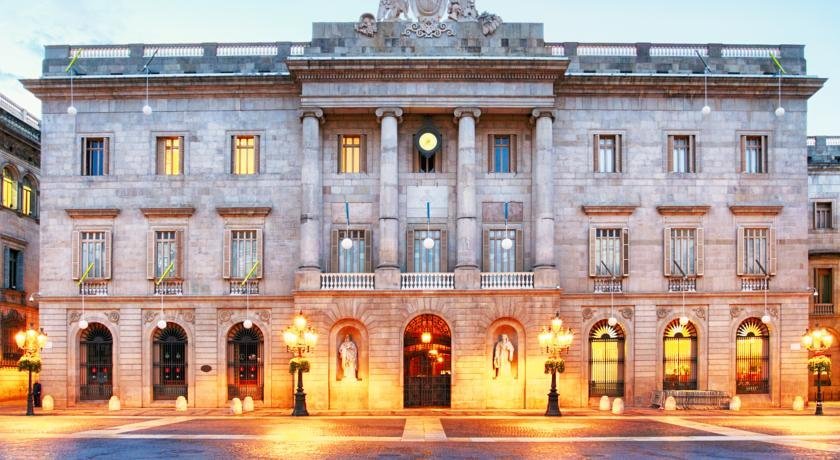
(151, 252)
(19, 270)
(518, 246)
(764, 153)
(108, 148)
(691, 152)
(335, 247)
(513, 152)
(159, 161)
(594, 260)
(107, 255)
(815, 211)
(619, 155)
(34, 195)
(410, 238)
(227, 254)
(699, 251)
(771, 250)
(259, 151)
(363, 152)
(12, 187)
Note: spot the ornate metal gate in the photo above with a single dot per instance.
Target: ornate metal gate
(606, 360)
(169, 369)
(679, 357)
(427, 363)
(96, 363)
(245, 362)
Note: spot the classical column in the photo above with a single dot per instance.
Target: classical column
(542, 186)
(388, 269)
(312, 201)
(467, 271)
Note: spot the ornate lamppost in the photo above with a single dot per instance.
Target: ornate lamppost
(818, 341)
(555, 340)
(299, 339)
(31, 342)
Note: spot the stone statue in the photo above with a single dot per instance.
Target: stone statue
(349, 357)
(462, 12)
(489, 23)
(367, 25)
(392, 10)
(503, 355)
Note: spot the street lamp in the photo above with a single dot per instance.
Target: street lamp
(555, 340)
(30, 341)
(818, 341)
(299, 339)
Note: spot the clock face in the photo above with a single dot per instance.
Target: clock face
(428, 142)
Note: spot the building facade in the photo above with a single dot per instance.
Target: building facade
(433, 192)
(20, 162)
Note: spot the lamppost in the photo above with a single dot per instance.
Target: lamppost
(555, 340)
(818, 341)
(299, 339)
(30, 341)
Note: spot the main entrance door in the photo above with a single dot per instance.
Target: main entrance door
(427, 362)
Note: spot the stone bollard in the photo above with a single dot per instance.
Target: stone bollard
(48, 403)
(798, 404)
(735, 403)
(248, 404)
(114, 403)
(605, 403)
(618, 406)
(670, 403)
(181, 404)
(236, 406)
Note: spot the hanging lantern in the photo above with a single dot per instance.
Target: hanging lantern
(683, 320)
(147, 110)
(780, 112)
(346, 244)
(612, 321)
(247, 324)
(71, 110)
(429, 243)
(766, 319)
(706, 110)
(83, 324)
(161, 324)
(507, 243)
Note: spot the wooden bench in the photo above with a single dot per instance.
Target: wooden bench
(692, 399)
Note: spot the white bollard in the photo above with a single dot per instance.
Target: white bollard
(248, 404)
(181, 404)
(605, 403)
(735, 403)
(47, 403)
(114, 403)
(236, 406)
(618, 406)
(798, 404)
(670, 403)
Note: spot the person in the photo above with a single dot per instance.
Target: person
(349, 357)
(36, 394)
(503, 355)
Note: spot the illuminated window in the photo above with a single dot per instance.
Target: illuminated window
(28, 197)
(754, 154)
(351, 154)
(679, 357)
(10, 188)
(752, 358)
(96, 364)
(169, 363)
(607, 153)
(95, 154)
(606, 360)
(245, 155)
(10, 324)
(245, 362)
(170, 156)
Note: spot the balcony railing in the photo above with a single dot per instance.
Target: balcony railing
(682, 285)
(822, 309)
(347, 281)
(419, 281)
(94, 287)
(250, 288)
(172, 287)
(607, 285)
(755, 284)
(507, 280)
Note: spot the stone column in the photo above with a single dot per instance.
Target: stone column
(388, 269)
(311, 202)
(545, 270)
(467, 270)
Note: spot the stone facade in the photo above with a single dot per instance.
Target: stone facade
(551, 99)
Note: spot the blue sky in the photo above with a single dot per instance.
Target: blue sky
(27, 26)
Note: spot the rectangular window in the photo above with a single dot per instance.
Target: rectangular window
(681, 157)
(245, 156)
(427, 260)
(170, 156)
(822, 215)
(26, 199)
(824, 285)
(353, 260)
(166, 252)
(756, 249)
(609, 252)
(607, 153)
(12, 269)
(10, 187)
(244, 252)
(754, 154)
(93, 251)
(501, 157)
(351, 154)
(682, 252)
(95, 156)
(499, 259)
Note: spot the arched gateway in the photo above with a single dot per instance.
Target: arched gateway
(427, 362)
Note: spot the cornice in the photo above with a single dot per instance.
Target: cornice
(755, 209)
(244, 212)
(609, 209)
(168, 212)
(683, 209)
(92, 213)
(12, 240)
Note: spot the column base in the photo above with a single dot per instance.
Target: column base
(387, 278)
(546, 278)
(467, 278)
(308, 279)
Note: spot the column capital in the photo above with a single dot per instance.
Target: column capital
(540, 113)
(460, 112)
(395, 112)
(314, 112)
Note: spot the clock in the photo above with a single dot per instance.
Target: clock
(427, 141)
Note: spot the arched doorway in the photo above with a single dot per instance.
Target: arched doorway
(96, 364)
(606, 360)
(752, 357)
(245, 362)
(169, 366)
(427, 362)
(679, 357)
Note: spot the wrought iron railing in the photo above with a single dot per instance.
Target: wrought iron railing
(416, 281)
(242, 390)
(507, 280)
(95, 392)
(347, 281)
(168, 392)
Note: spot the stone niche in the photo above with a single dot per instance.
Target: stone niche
(505, 387)
(348, 386)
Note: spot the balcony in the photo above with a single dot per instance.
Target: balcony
(507, 280)
(607, 285)
(755, 284)
(822, 309)
(96, 288)
(250, 288)
(173, 287)
(682, 284)
(347, 281)
(427, 281)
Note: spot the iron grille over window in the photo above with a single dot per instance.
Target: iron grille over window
(427, 362)
(679, 357)
(169, 367)
(245, 362)
(752, 358)
(96, 363)
(606, 360)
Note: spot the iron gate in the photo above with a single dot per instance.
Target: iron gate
(606, 366)
(679, 363)
(427, 363)
(96, 363)
(169, 369)
(245, 361)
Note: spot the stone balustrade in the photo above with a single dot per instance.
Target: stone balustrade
(427, 281)
(607, 285)
(755, 284)
(682, 284)
(173, 51)
(171, 287)
(248, 49)
(250, 288)
(507, 280)
(822, 309)
(95, 288)
(347, 281)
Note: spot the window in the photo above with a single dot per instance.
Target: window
(681, 157)
(10, 324)
(169, 363)
(10, 188)
(754, 154)
(607, 153)
(679, 357)
(606, 360)
(92, 247)
(95, 156)
(824, 286)
(822, 215)
(243, 248)
(357, 259)
(166, 248)
(96, 363)
(756, 251)
(423, 164)
(422, 260)
(351, 154)
(498, 259)
(683, 250)
(501, 157)
(170, 156)
(608, 252)
(12, 269)
(245, 362)
(245, 155)
(28, 197)
(752, 358)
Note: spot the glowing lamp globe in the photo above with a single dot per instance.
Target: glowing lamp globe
(612, 321)
(706, 110)
(428, 243)
(310, 338)
(247, 324)
(20, 339)
(346, 244)
(507, 243)
(290, 338)
(161, 324)
(440, 359)
(147, 110)
(766, 319)
(683, 320)
(780, 112)
(426, 337)
(71, 110)
(807, 340)
(83, 324)
(300, 322)
(556, 323)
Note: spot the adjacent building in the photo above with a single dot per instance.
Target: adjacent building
(432, 192)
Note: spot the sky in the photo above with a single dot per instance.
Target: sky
(29, 25)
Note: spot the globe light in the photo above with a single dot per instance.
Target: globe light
(83, 324)
(346, 244)
(147, 110)
(612, 321)
(71, 110)
(780, 112)
(161, 324)
(247, 324)
(683, 320)
(507, 243)
(290, 337)
(556, 323)
(766, 319)
(300, 321)
(706, 110)
(426, 337)
(310, 338)
(428, 243)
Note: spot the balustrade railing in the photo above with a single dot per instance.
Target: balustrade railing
(822, 309)
(101, 52)
(94, 288)
(606, 50)
(347, 281)
(416, 281)
(607, 285)
(174, 51)
(245, 49)
(682, 285)
(507, 280)
(678, 51)
(749, 52)
(755, 284)
(297, 49)
(250, 288)
(172, 287)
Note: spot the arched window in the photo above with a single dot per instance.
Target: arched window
(169, 368)
(10, 188)
(752, 357)
(96, 363)
(606, 360)
(10, 324)
(28, 197)
(245, 362)
(679, 357)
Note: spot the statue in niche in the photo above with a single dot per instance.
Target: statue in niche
(503, 355)
(349, 354)
(392, 10)
(367, 25)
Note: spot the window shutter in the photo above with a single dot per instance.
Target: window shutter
(514, 154)
(699, 245)
(338, 156)
(106, 161)
(368, 252)
(233, 154)
(739, 259)
(409, 251)
(692, 156)
(520, 251)
(150, 255)
(814, 214)
(485, 250)
(619, 154)
(771, 251)
(593, 256)
(666, 251)
(363, 154)
(257, 168)
(334, 251)
(160, 156)
(180, 272)
(106, 269)
(439, 158)
(444, 252)
(764, 156)
(596, 143)
(743, 154)
(226, 245)
(82, 156)
(625, 251)
(19, 273)
(7, 262)
(669, 155)
(258, 274)
(490, 141)
(75, 243)
(415, 156)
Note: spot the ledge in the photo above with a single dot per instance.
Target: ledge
(167, 212)
(244, 212)
(92, 213)
(609, 209)
(756, 209)
(13, 240)
(683, 209)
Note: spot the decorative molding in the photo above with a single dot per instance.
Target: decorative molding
(312, 112)
(366, 25)
(541, 113)
(661, 313)
(244, 211)
(735, 311)
(395, 112)
(683, 209)
(168, 212)
(699, 312)
(588, 313)
(13, 241)
(227, 316)
(76, 315)
(609, 209)
(461, 112)
(150, 316)
(755, 209)
(92, 213)
(428, 29)
(626, 313)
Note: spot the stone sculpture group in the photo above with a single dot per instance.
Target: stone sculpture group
(430, 17)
